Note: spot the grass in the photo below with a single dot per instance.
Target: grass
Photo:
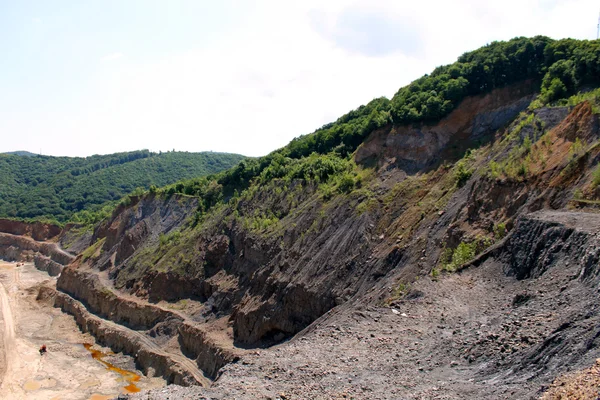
(596, 177)
(593, 96)
(573, 167)
(576, 148)
(500, 230)
(452, 260)
(260, 221)
(586, 201)
(93, 250)
(179, 306)
(398, 292)
(462, 173)
(463, 168)
(369, 204)
(524, 153)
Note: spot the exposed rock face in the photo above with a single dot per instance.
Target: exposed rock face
(13, 248)
(544, 239)
(143, 221)
(44, 263)
(209, 356)
(553, 256)
(37, 231)
(120, 339)
(21, 241)
(414, 147)
(451, 337)
(169, 286)
(128, 315)
(75, 238)
(88, 289)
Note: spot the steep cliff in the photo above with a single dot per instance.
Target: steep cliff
(38, 231)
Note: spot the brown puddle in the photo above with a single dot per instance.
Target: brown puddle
(128, 376)
(32, 385)
(97, 396)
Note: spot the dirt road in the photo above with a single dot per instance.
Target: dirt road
(9, 341)
(68, 371)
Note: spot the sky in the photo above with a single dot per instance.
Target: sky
(86, 77)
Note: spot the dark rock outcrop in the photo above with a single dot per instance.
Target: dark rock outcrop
(44, 263)
(543, 239)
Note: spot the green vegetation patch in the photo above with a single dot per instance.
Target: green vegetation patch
(93, 250)
(59, 187)
(452, 260)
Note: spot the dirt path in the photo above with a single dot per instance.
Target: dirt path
(68, 370)
(8, 334)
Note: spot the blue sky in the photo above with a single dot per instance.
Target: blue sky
(94, 77)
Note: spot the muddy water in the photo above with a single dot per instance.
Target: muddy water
(128, 376)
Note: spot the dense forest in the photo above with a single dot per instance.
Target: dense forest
(561, 68)
(33, 186)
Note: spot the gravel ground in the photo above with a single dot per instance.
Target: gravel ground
(474, 334)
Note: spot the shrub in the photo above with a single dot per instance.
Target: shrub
(93, 249)
(555, 90)
(346, 183)
(522, 169)
(576, 148)
(596, 177)
(452, 260)
(462, 173)
(494, 169)
(327, 192)
(500, 230)
(527, 145)
(464, 253)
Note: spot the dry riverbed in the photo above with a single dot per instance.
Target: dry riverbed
(69, 370)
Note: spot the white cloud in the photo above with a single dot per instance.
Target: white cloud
(286, 70)
(250, 96)
(111, 57)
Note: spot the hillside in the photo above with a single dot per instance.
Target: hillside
(20, 153)
(57, 187)
(442, 244)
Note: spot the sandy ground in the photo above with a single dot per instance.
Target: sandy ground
(68, 371)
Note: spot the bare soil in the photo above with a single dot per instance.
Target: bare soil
(68, 370)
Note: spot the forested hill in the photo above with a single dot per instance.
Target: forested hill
(57, 187)
(21, 153)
